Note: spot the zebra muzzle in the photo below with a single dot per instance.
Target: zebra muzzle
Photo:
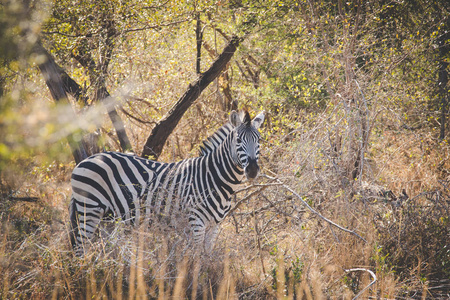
(252, 169)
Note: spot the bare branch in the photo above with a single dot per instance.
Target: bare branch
(199, 39)
(312, 209)
(23, 199)
(156, 26)
(374, 279)
(261, 188)
(139, 120)
(96, 33)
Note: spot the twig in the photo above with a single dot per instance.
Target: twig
(313, 210)
(374, 277)
(334, 234)
(264, 185)
(258, 243)
(363, 132)
(262, 188)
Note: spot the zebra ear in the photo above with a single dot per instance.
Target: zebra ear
(235, 118)
(258, 120)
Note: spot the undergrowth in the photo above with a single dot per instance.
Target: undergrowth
(270, 247)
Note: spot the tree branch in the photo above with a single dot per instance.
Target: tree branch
(155, 142)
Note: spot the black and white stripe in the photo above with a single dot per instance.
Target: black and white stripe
(127, 186)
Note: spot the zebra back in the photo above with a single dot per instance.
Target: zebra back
(215, 140)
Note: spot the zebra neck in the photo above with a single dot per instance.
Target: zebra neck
(225, 163)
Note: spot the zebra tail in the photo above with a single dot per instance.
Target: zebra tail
(73, 223)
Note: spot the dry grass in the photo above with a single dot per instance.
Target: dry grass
(270, 247)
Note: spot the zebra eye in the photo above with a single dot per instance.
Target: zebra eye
(238, 140)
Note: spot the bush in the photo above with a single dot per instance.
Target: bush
(415, 237)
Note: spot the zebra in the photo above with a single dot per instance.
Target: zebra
(130, 187)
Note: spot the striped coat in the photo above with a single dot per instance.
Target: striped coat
(130, 187)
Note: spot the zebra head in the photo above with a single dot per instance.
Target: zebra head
(247, 139)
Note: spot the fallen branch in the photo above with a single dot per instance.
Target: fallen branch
(374, 277)
(312, 209)
(24, 199)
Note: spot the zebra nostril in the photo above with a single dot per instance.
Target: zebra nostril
(252, 169)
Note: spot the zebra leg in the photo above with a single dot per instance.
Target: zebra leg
(198, 230)
(73, 225)
(210, 237)
(84, 223)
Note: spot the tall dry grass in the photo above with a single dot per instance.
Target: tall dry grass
(271, 246)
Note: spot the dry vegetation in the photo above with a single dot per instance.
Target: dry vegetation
(362, 153)
(271, 246)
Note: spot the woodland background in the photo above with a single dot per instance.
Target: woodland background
(356, 95)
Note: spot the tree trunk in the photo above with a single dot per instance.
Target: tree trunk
(97, 75)
(103, 94)
(167, 124)
(228, 103)
(58, 83)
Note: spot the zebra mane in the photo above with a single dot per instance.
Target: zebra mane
(214, 141)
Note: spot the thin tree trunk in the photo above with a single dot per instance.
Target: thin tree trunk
(167, 124)
(97, 76)
(443, 53)
(443, 94)
(117, 121)
(199, 38)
